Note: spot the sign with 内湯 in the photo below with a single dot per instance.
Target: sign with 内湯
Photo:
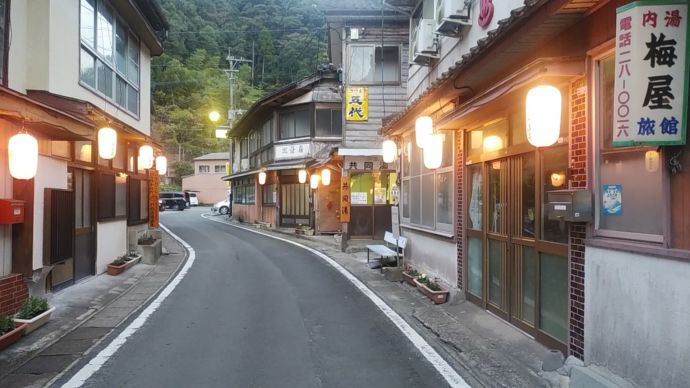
(344, 199)
(651, 67)
(356, 104)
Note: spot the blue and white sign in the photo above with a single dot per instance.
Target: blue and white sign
(612, 203)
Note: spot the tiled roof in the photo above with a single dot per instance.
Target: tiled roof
(214, 156)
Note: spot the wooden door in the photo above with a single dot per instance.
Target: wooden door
(84, 241)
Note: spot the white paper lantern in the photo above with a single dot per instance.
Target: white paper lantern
(492, 143)
(390, 151)
(314, 181)
(326, 177)
(262, 178)
(161, 164)
(433, 151)
(22, 150)
(423, 128)
(302, 176)
(145, 156)
(543, 112)
(107, 143)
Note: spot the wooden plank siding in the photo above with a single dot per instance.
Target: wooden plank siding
(384, 100)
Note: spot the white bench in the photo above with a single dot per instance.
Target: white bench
(384, 251)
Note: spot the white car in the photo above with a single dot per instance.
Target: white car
(193, 199)
(222, 207)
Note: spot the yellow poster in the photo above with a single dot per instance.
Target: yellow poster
(357, 104)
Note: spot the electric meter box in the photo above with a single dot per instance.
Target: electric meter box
(11, 211)
(569, 205)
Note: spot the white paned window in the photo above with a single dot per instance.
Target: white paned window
(109, 56)
(427, 195)
(368, 63)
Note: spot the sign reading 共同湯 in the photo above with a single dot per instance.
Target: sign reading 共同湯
(650, 90)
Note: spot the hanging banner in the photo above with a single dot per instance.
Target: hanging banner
(154, 188)
(344, 199)
(356, 104)
(650, 93)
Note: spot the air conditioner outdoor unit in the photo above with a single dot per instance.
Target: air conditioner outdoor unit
(424, 47)
(452, 17)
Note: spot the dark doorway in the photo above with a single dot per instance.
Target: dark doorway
(83, 224)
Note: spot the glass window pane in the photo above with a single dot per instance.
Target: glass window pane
(133, 60)
(86, 219)
(132, 100)
(121, 47)
(428, 200)
(362, 64)
(518, 133)
(605, 90)
(87, 71)
(390, 64)
(529, 282)
(527, 188)
(302, 123)
(86, 21)
(447, 149)
(323, 122)
(476, 208)
(120, 195)
(78, 198)
(555, 165)
(336, 122)
(83, 151)
(415, 159)
(495, 198)
(496, 252)
(475, 270)
(120, 156)
(407, 147)
(104, 34)
(444, 198)
(553, 296)
(121, 92)
(406, 199)
(415, 200)
(104, 79)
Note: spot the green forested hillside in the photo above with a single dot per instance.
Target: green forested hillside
(288, 41)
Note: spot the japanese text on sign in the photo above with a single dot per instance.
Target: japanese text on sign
(650, 75)
(357, 104)
(345, 199)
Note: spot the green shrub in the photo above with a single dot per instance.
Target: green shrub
(32, 307)
(118, 262)
(6, 324)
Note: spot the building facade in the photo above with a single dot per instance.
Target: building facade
(69, 69)
(206, 181)
(604, 284)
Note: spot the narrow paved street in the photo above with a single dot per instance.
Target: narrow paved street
(257, 312)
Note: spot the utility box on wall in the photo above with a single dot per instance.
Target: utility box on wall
(569, 205)
(11, 211)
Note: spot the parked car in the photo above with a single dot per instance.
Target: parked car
(222, 207)
(192, 199)
(171, 200)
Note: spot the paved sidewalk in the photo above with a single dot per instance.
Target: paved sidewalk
(86, 313)
(483, 348)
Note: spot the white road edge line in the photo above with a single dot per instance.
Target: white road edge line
(102, 357)
(449, 374)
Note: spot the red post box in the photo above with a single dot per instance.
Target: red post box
(11, 211)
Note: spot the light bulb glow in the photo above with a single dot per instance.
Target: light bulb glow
(314, 181)
(107, 143)
(214, 116)
(326, 177)
(146, 156)
(423, 128)
(390, 151)
(543, 115)
(262, 178)
(302, 176)
(492, 143)
(433, 151)
(22, 151)
(161, 164)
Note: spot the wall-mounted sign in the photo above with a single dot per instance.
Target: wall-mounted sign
(344, 198)
(292, 151)
(359, 198)
(356, 104)
(650, 94)
(366, 163)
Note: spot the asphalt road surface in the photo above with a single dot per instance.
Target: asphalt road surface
(257, 312)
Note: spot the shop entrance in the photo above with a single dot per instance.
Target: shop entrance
(517, 264)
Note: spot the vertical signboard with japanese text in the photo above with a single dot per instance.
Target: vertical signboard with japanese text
(345, 199)
(650, 94)
(356, 104)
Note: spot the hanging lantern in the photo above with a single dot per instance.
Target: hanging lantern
(651, 161)
(423, 128)
(543, 112)
(302, 176)
(390, 151)
(161, 164)
(107, 143)
(262, 178)
(314, 181)
(326, 176)
(22, 150)
(492, 143)
(433, 151)
(145, 156)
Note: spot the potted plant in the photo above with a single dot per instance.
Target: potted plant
(131, 258)
(10, 332)
(409, 275)
(35, 313)
(431, 289)
(150, 248)
(117, 266)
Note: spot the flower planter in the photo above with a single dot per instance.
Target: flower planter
(11, 337)
(438, 297)
(115, 270)
(35, 322)
(409, 279)
(152, 252)
(133, 261)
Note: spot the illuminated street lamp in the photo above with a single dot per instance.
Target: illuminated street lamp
(214, 116)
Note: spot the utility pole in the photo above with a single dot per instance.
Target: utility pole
(231, 72)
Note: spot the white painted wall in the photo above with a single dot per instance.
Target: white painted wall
(51, 173)
(432, 254)
(452, 49)
(5, 192)
(44, 55)
(111, 240)
(637, 316)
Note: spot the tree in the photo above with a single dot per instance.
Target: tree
(181, 168)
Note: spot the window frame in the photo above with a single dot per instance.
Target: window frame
(204, 169)
(331, 109)
(292, 111)
(595, 57)
(111, 64)
(6, 42)
(446, 230)
(374, 46)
